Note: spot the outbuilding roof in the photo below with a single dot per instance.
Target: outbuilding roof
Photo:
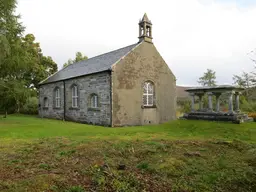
(218, 88)
(92, 65)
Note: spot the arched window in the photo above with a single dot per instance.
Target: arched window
(57, 97)
(148, 94)
(46, 103)
(74, 96)
(94, 101)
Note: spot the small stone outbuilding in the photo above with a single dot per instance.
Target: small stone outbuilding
(214, 113)
(129, 86)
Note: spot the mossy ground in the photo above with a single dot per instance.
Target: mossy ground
(50, 155)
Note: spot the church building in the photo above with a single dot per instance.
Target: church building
(129, 86)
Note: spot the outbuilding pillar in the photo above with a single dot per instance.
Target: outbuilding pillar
(217, 95)
(200, 101)
(230, 102)
(192, 102)
(237, 96)
(209, 100)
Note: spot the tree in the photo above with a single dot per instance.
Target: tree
(11, 55)
(253, 73)
(79, 57)
(39, 66)
(239, 81)
(13, 95)
(22, 64)
(244, 81)
(27, 63)
(253, 79)
(10, 28)
(208, 79)
(69, 62)
(4, 47)
(10, 33)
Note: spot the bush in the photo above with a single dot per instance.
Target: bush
(184, 106)
(10, 110)
(253, 115)
(248, 106)
(31, 106)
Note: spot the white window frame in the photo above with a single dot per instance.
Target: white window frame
(94, 101)
(147, 93)
(57, 98)
(75, 96)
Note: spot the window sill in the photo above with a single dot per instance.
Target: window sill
(148, 107)
(45, 108)
(93, 109)
(57, 108)
(73, 108)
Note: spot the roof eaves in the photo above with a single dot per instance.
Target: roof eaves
(76, 77)
(42, 82)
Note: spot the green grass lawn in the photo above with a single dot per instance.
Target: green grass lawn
(50, 155)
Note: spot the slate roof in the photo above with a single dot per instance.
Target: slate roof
(95, 64)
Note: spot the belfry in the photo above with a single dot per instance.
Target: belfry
(145, 29)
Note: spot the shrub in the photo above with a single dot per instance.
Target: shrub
(253, 115)
(248, 107)
(31, 106)
(10, 110)
(184, 106)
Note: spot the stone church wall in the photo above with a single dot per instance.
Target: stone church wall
(49, 111)
(142, 64)
(98, 84)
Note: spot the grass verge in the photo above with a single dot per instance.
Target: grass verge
(181, 156)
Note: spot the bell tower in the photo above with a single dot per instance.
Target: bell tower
(145, 29)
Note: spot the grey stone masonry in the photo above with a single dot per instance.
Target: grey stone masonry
(50, 111)
(98, 84)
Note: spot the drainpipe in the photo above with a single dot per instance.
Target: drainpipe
(111, 97)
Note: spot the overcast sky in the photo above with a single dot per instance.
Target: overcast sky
(191, 35)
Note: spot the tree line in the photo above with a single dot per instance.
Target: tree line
(22, 63)
(246, 80)
(79, 57)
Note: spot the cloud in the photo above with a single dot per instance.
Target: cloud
(238, 3)
(190, 35)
